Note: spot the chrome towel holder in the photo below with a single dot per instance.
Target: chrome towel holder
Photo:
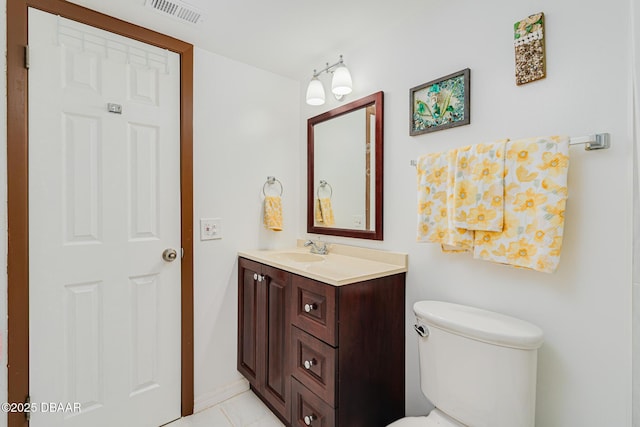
(271, 180)
(324, 184)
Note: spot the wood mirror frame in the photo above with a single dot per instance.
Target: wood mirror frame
(373, 228)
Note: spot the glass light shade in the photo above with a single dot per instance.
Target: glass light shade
(315, 92)
(341, 83)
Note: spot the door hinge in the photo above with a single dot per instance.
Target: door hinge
(181, 253)
(27, 405)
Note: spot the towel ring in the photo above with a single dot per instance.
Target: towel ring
(323, 184)
(270, 181)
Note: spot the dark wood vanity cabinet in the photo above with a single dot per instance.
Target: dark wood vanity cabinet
(344, 349)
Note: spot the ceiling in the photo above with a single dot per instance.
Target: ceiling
(287, 37)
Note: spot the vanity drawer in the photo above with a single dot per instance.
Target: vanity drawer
(314, 364)
(314, 308)
(307, 409)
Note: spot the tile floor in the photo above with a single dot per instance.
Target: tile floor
(243, 410)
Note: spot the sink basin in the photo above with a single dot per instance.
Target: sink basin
(299, 257)
(333, 269)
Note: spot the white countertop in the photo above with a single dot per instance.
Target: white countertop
(342, 265)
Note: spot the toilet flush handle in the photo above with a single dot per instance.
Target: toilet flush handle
(422, 330)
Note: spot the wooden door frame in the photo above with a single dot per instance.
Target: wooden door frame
(18, 187)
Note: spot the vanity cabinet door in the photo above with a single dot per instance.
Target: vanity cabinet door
(250, 341)
(264, 332)
(277, 287)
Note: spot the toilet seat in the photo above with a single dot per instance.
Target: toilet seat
(436, 418)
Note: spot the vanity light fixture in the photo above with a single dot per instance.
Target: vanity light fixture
(341, 84)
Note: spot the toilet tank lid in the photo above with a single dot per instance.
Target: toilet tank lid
(479, 324)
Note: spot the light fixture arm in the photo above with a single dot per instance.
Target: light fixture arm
(328, 68)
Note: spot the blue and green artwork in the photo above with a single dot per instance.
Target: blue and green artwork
(441, 104)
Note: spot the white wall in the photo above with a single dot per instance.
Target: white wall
(635, 132)
(584, 376)
(245, 129)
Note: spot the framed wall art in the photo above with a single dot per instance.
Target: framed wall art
(440, 104)
(528, 41)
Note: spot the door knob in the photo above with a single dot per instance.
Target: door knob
(309, 419)
(169, 255)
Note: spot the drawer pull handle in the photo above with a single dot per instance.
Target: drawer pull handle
(309, 307)
(308, 419)
(309, 363)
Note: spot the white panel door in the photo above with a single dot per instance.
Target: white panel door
(104, 204)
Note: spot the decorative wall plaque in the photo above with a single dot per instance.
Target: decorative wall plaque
(528, 40)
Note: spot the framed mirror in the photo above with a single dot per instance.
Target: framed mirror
(344, 170)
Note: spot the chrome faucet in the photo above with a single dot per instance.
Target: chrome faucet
(315, 249)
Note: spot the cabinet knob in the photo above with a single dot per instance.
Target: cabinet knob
(309, 307)
(255, 276)
(308, 419)
(309, 363)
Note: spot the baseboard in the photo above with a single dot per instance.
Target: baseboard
(219, 395)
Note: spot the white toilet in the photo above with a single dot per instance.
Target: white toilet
(477, 367)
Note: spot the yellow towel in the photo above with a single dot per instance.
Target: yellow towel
(458, 239)
(435, 197)
(325, 211)
(318, 212)
(273, 213)
(535, 198)
(479, 187)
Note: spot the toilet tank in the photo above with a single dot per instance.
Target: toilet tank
(478, 366)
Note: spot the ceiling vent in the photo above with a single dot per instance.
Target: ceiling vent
(177, 9)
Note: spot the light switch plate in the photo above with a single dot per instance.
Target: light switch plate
(210, 228)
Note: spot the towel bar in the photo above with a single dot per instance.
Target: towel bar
(598, 141)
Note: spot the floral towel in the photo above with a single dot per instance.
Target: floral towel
(318, 212)
(435, 197)
(273, 213)
(324, 212)
(535, 198)
(478, 190)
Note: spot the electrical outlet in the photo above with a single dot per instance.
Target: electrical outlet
(210, 228)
